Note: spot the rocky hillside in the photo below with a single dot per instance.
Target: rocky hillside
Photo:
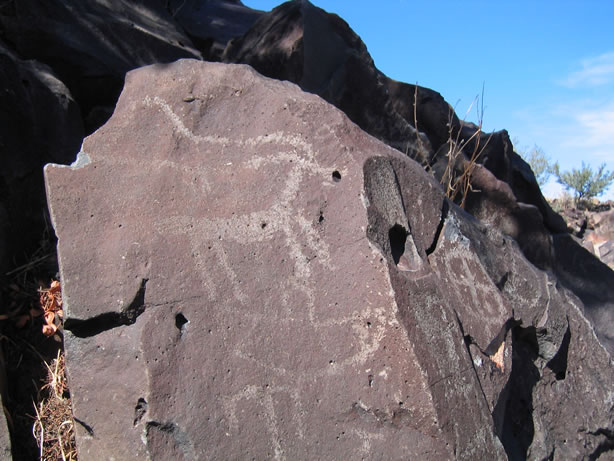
(592, 224)
(259, 260)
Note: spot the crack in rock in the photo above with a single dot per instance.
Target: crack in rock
(558, 363)
(139, 411)
(444, 214)
(109, 320)
(604, 446)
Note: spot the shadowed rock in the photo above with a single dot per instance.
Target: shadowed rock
(92, 44)
(319, 51)
(39, 123)
(210, 24)
(263, 279)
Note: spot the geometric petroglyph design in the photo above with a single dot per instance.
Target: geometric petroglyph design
(469, 283)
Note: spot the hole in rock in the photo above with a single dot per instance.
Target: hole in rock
(109, 320)
(139, 410)
(263, 225)
(180, 321)
(501, 283)
(558, 363)
(336, 176)
(397, 236)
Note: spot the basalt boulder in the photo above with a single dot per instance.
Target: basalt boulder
(211, 24)
(248, 274)
(304, 44)
(319, 51)
(91, 45)
(39, 123)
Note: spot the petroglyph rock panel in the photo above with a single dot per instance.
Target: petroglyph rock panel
(248, 275)
(232, 279)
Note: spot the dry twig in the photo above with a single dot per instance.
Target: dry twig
(457, 177)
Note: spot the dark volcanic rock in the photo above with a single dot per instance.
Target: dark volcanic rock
(425, 110)
(436, 118)
(321, 53)
(39, 123)
(92, 44)
(591, 279)
(210, 24)
(262, 279)
(317, 50)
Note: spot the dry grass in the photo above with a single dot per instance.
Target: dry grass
(53, 426)
(461, 164)
(34, 390)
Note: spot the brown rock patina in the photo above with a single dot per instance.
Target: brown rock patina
(247, 274)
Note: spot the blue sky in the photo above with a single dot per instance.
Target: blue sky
(547, 66)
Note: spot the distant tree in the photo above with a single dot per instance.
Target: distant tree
(585, 182)
(539, 162)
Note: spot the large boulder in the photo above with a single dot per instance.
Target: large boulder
(319, 51)
(247, 274)
(211, 24)
(304, 44)
(39, 123)
(92, 44)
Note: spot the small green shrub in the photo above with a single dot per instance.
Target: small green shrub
(585, 182)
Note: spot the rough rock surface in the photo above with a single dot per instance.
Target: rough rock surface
(5, 441)
(304, 44)
(602, 236)
(91, 45)
(211, 24)
(593, 225)
(248, 274)
(319, 51)
(63, 66)
(39, 123)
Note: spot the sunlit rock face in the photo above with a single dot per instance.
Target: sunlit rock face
(248, 274)
(321, 53)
